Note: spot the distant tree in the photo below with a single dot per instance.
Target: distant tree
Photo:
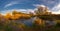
(15, 12)
(41, 11)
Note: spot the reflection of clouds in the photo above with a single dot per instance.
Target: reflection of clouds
(28, 22)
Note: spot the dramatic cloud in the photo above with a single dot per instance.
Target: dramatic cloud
(56, 9)
(11, 3)
(51, 4)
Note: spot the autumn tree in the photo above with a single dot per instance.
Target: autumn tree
(8, 16)
(16, 12)
(20, 15)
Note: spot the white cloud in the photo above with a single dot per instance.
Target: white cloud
(57, 12)
(25, 10)
(10, 4)
(49, 2)
(56, 9)
(37, 5)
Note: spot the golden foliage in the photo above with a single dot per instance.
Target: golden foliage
(8, 15)
(39, 21)
(21, 26)
(25, 16)
(17, 15)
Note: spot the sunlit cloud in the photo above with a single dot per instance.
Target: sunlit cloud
(18, 10)
(56, 12)
(56, 9)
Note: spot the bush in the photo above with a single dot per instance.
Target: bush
(58, 25)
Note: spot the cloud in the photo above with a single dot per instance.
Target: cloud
(38, 5)
(56, 12)
(56, 9)
(25, 10)
(49, 1)
(11, 3)
(19, 10)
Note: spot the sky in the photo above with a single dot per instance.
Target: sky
(28, 5)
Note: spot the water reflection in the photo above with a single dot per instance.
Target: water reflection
(27, 22)
(48, 22)
(30, 21)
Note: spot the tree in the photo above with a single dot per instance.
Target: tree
(8, 16)
(41, 11)
(15, 12)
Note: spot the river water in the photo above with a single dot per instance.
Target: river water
(30, 21)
